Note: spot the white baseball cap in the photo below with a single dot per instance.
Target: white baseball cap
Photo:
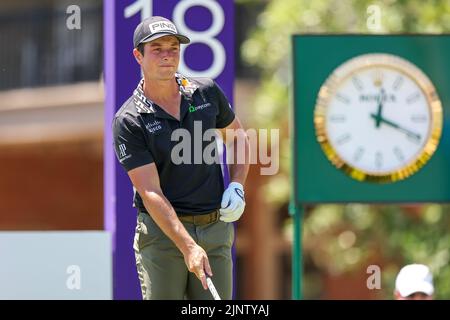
(414, 278)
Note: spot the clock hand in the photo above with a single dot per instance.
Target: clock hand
(396, 126)
(377, 117)
(380, 110)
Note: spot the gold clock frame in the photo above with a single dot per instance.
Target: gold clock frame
(347, 69)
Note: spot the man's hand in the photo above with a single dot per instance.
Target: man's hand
(197, 262)
(233, 202)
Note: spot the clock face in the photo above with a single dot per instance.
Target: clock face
(378, 118)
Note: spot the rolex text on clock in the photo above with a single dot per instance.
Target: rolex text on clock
(378, 118)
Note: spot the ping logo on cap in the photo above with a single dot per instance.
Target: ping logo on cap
(162, 26)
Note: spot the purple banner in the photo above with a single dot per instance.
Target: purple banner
(210, 26)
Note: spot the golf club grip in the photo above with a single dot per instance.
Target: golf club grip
(212, 289)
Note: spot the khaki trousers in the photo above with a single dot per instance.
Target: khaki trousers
(160, 264)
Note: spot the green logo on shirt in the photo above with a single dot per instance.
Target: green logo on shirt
(193, 108)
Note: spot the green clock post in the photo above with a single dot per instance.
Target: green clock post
(369, 123)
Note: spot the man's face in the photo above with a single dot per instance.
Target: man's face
(161, 58)
(413, 296)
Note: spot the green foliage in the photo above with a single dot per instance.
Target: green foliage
(340, 239)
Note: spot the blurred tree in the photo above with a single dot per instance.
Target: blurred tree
(339, 239)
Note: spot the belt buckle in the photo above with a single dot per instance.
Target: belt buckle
(216, 215)
(213, 217)
(207, 218)
(201, 220)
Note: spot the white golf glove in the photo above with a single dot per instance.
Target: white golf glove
(233, 202)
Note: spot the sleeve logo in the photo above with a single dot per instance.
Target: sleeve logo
(122, 150)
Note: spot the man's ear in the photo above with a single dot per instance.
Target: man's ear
(137, 55)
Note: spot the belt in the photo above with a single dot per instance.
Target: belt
(201, 219)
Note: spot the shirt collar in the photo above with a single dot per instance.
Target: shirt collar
(145, 105)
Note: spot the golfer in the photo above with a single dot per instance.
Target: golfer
(184, 226)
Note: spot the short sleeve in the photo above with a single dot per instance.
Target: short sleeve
(129, 144)
(225, 115)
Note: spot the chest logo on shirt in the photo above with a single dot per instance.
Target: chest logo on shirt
(154, 126)
(193, 108)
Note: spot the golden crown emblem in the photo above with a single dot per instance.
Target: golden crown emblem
(378, 78)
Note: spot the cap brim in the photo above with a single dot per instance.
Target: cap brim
(424, 287)
(180, 37)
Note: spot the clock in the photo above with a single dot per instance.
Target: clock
(378, 118)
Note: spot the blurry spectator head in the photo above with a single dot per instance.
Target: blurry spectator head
(414, 282)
